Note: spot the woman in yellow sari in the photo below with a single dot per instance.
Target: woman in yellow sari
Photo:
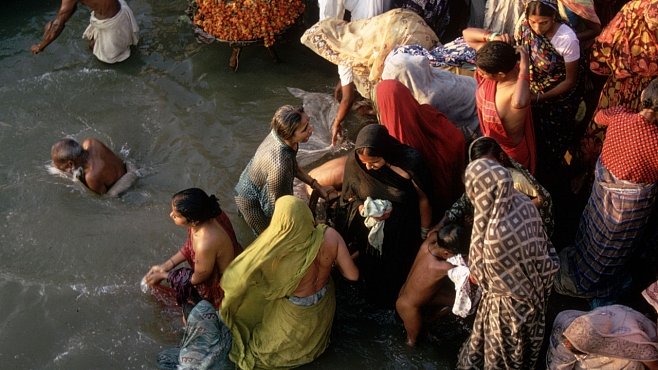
(279, 300)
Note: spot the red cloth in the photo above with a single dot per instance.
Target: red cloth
(491, 125)
(429, 131)
(630, 149)
(210, 289)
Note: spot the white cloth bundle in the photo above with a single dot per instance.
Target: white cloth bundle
(466, 298)
(375, 208)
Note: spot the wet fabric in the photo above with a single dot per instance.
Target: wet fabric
(491, 125)
(364, 44)
(384, 274)
(209, 289)
(268, 330)
(461, 211)
(610, 338)
(627, 52)
(513, 262)
(205, 344)
(451, 94)
(113, 36)
(436, 13)
(429, 131)
(269, 175)
(554, 119)
(616, 214)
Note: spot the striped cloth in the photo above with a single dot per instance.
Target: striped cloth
(616, 214)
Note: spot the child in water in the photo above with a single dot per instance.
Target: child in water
(428, 294)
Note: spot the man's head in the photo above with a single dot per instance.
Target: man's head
(495, 59)
(66, 155)
(450, 240)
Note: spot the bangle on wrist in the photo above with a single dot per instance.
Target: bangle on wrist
(492, 36)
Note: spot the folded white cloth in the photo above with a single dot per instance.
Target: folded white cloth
(113, 36)
(466, 297)
(375, 208)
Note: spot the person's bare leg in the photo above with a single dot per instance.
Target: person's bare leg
(411, 317)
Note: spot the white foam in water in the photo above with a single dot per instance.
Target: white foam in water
(143, 286)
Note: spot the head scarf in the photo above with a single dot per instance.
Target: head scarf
(510, 253)
(268, 270)
(430, 132)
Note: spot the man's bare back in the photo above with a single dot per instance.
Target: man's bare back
(103, 168)
(102, 9)
(332, 251)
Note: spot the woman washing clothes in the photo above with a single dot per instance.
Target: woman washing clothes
(211, 245)
(382, 168)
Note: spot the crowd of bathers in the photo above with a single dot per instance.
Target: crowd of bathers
(444, 205)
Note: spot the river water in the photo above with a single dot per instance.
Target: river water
(71, 262)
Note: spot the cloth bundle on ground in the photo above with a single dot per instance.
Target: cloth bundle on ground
(113, 36)
(269, 330)
(364, 44)
(610, 337)
(205, 344)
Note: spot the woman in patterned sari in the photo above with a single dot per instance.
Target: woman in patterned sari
(627, 52)
(513, 262)
(555, 75)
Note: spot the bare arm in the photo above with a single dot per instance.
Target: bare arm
(521, 95)
(54, 28)
(477, 37)
(346, 100)
(425, 208)
(313, 183)
(159, 272)
(564, 86)
(204, 263)
(125, 182)
(344, 261)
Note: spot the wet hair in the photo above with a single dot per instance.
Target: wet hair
(541, 9)
(650, 96)
(286, 120)
(65, 150)
(452, 237)
(496, 56)
(195, 205)
(484, 146)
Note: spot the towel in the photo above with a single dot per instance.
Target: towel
(466, 297)
(375, 208)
